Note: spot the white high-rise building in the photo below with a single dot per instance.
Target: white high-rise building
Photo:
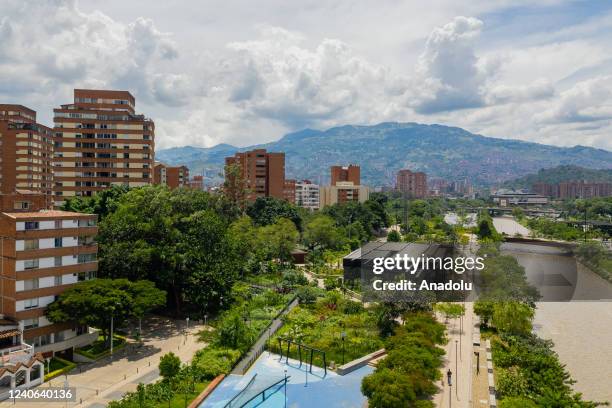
(307, 194)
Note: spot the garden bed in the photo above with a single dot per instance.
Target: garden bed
(321, 325)
(58, 366)
(99, 349)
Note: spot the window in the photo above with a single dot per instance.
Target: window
(30, 264)
(57, 280)
(30, 244)
(31, 225)
(30, 323)
(57, 261)
(58, 224)
(58, 242)
(30, 303)
(87, 223)
(86, 258)
(30, 284)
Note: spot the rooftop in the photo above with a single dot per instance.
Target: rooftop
(47, 214)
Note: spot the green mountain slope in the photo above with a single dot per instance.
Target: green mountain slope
(441, 151)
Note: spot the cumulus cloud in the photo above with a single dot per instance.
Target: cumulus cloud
(269, 80)
(449, 74)
(276, 76)
(55, 44)
(586, 101)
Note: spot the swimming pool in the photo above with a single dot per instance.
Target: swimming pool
(302, 390)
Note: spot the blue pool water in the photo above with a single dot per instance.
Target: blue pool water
(321, 391)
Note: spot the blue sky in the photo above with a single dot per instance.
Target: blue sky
(245, 72)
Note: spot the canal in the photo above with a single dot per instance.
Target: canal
(581, 327)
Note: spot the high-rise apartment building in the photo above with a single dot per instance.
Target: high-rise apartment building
(197, 182)
(413, 184)
(26, 159)
(43, 253)
(345, 187)
(100, 141)
(263, 172)
(350, 173)
(573, 189)
(307, 194)
(289, 190)
(171, 176)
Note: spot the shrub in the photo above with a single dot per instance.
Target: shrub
(169, 366)
(308, 294)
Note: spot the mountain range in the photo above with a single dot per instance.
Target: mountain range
(381, 150)
(560, 174)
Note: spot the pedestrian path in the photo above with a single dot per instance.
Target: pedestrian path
(458, 360)
(105, 380)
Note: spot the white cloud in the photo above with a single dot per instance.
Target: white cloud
(449, 74)
(586, 101)
(243, 73)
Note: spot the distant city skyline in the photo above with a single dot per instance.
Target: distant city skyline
(245, 73)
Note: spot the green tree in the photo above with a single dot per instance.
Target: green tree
(512, 317)
(321, 232)
(169, 366)
(235, 187)
(484, 310)
(268, 210)
(175, 238)
(93, 303)
(394, 236)
(102, 204)
(279, 239)
(388, 389)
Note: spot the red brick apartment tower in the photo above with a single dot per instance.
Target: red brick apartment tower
(171, 176)
(26, 159)
(100, 141)
(263, 172)
(197, 182)
(351, 173)
(414, 184)
(42, 254)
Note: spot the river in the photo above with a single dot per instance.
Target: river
(580, 329)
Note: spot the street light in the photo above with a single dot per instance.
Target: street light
(285, 388)
(111, 329)
(456, 368)
(343, 335)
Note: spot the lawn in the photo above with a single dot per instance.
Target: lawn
(99, 349)
(57, 366)
(178, 400)
(321, 324)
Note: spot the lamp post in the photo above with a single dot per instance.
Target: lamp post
(343, 335)
(111, 332)
(456, 368)
(285, 388)
(111, 328)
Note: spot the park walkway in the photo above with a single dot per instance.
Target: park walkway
(458, 359)
(100, 382)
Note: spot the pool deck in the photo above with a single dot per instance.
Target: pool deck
(331, 390)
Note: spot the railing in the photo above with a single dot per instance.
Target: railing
(17, 354)
(241, 392)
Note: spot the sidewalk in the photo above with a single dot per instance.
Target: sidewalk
(103, 381)
(459, 352)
